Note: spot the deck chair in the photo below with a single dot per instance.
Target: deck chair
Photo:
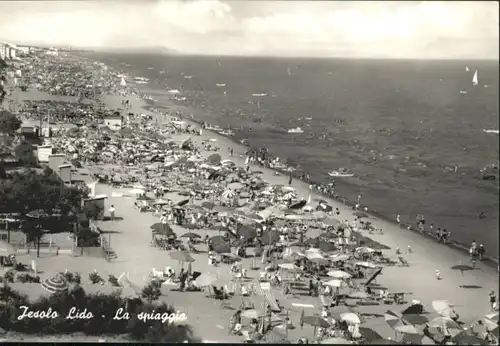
(403, 262)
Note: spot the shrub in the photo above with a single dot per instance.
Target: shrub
(95, 278)
(9, 276)
(151, 292)
(102, 306)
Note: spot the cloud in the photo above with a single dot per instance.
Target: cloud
(366, 29)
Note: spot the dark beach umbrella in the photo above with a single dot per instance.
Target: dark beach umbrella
(315, 321)
(464, 338)
(190, 235)
(247, 232)
(369, 334)
(222, 248)
(183, 202)
(190, 226)
(161, 227)
(218, 239)
(271, 237)
(415, 319)
(326, 247)
(462, 268)
(214, 159)
(299, 244)
(415, 309)
(55, 284)
(299, 205)
(331, 222)
(208, 205)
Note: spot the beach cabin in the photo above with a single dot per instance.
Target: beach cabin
(91, 185)
(43, 152)
(182, 125)
(56, 160)
(29, 131)
(99, 201)
(113, 122)
(65, 173)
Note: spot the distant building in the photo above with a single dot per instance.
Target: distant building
(3, 51)
(56, 160)
(44, 152)
(113, 122)
(65, 173)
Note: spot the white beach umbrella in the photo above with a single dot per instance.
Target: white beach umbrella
(137, 191)
(339, 274)
(228, 194)
(334, 283)
(350, 317)
(289, 195)
(365, 265)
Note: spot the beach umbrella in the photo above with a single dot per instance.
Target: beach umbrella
(339, 274)
(289, 195)
(270, 237)
(315, 321)
(464, 338)
(491, 321)
(415, 319)
(369, 334)
(392, 319)
(335, 283)
(190, 235)
(235, 186)
(206, 279)
(326, 246)
(340, 258)
(331, 222)
(221, 248)
(330, 235)
(181, 256)
(443, 322)
(227, 162)
(443, 308)
(55, 284)
(407, 329)
(183, 202)
(414, 309)
(358, 295)
(254, 216)
(350, 318)
(299, 244)
(299, 205)
(290, 267)
(228, 194)
(365, 265)
(208, 205)
(247, 232)
(417, 339)
(218, 239)
(462, 268)
(364, 249)
(161, 228)
(6, 249)
(319, 261)
(336, 341)
(213, 159)
(137, 191)
(160, 202)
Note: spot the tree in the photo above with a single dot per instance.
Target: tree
(151, 292)
(24, 153)
(3, 174)
(9, 123)
(92, 211)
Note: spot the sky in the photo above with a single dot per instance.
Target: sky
(434, 30)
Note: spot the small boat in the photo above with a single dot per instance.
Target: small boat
(341, 173)
(221, 85)
(475, 80)
(467, 68)
(296, 130)
(289, 72)
(227, 133)
(463, 92)
(150, 68)
(259, 95)
(174, 91)
(490, 131)
(141, 82)
(188, 77)
(142, 78)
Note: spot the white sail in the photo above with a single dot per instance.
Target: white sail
(289, 72)
(122, 82)
(467, 68)
(475, 80)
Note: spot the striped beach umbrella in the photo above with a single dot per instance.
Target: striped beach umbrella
(55, 284)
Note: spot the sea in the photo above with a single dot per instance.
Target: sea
(410, 130)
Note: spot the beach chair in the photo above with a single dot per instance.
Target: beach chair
(403, 262)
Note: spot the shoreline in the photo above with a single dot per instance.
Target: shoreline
(462, 248)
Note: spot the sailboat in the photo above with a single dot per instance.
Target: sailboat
(475, 80)
(122, 82)
(288, 71)
(467, 68)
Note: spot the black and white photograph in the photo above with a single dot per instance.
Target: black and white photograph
(245, 171)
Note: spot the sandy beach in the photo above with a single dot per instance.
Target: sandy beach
(131, 239)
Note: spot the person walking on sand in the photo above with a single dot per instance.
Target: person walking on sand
(438, 275)
(481, 251)
(359, 198)
(235, 322)
(290, 179)
(398, 220)
(493, 300)
(112, 212)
